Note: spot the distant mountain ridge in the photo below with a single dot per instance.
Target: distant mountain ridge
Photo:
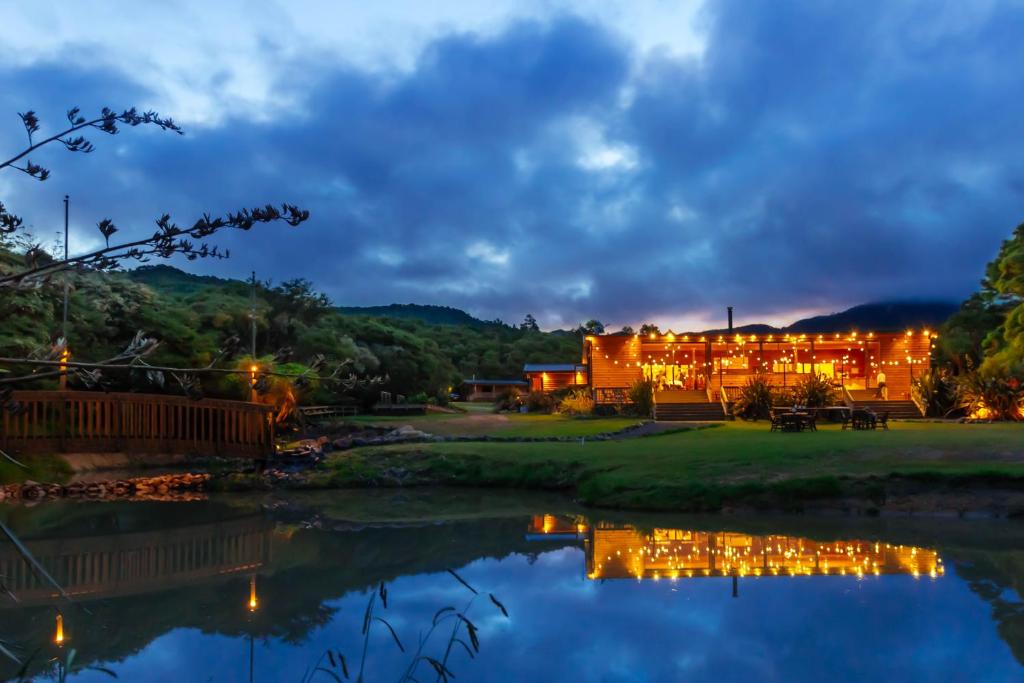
(885, 316)
(888, 316)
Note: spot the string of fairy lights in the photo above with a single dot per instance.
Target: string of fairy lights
(624, 551)
(852, 354)
(694, 554)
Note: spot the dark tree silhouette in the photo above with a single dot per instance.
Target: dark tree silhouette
(529, 324)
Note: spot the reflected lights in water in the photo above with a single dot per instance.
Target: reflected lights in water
(618, 552)
(253, 602)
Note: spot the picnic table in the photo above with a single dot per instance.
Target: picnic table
(793, 421)
(835, 413)
(861, 418)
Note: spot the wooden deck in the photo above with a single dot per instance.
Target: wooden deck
(95, 422)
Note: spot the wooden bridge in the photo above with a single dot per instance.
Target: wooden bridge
(95, 422)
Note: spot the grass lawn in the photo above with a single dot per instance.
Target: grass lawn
(707, 467)
(474, 406)
(488, 423)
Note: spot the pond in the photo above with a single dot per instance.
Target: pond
(260, 588)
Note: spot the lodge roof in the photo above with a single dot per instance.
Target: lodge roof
(552, 367)
(735, 336)
(496, 382)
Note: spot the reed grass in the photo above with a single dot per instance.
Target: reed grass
(332, 664)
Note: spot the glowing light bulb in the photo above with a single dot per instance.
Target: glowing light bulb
(253, 602)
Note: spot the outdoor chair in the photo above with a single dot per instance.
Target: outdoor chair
(776, 419)
(811, 423)
(883, 421)
(863, 419)
(846, 421)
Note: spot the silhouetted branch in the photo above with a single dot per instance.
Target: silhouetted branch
(107, 122)
(335, 375)
(169, 239)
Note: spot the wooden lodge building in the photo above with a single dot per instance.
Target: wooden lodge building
(699, 376)
(543, 377)
(555, 376)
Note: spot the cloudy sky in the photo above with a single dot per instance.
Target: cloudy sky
(621, 160)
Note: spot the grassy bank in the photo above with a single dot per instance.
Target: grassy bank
(36, 468)
(733, 464)
(488, 423)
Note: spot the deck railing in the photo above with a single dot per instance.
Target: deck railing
(612, 395)
(94, 422)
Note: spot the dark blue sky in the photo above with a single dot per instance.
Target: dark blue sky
(643, 161)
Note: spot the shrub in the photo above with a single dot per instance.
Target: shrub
(814, 391)
(560, 394)
(509, 399)
(641, 396)
(755, 400)
(418, 399)
(990, 394)
(282, 392)
(935, 390)
(578, 402)
(540, 402)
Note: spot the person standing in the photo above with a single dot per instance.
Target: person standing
(883, 391)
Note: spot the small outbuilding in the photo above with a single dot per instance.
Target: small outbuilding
(489, 389)
(554, 376)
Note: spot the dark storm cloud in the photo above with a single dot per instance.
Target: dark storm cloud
(814, 157)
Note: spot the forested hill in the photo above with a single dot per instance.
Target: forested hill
(435, 315)
(419, 348)
(893, 316)
(192, 316)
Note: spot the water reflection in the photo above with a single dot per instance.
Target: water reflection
(624, 551)
(119, 564)
(245, 589)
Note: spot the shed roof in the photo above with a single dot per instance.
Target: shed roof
(552, 367)
(496, 382)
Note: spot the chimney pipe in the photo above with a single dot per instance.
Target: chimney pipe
(730, 318)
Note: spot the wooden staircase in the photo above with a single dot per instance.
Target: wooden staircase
(867, 399)
(686, 406)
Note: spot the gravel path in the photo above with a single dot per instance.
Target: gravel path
(652, 428)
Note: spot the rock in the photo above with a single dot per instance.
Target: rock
(406, 433)
(29, 492)
(398, 473)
